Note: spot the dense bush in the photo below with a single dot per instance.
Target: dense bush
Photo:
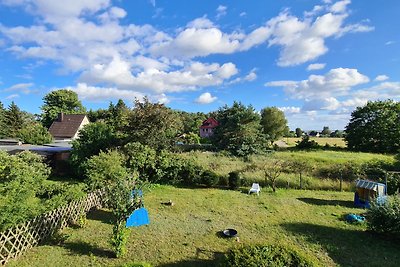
(268, 255)
(234, 180)
(93, 138)
(21, 179)
(209, 178)
(35, 134)
(104, 168)
(385, 218)
(306, 143)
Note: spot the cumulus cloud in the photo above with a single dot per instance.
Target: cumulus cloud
(381, 78)
(221, 11)
(88, 38)
(205, 98)
(93, 93)
(316, 66)
(290, 110)
(334, 83)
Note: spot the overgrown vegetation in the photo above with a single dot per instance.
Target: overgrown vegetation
(385, 217)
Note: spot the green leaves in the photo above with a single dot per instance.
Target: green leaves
(60, 101)
(375, 127)
(274, 123)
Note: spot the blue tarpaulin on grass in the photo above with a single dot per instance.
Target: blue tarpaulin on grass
(138, 217)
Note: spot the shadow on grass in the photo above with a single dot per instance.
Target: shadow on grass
(349, 247)
(103, 216)
(215, 259)
(325, 202)
(85, 248)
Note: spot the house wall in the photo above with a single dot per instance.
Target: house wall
(206, 132)
(84, 122)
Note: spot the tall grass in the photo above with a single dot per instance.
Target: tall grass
(320, 166)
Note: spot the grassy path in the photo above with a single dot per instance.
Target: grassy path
(186, 234)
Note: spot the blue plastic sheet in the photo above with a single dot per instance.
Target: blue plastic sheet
(138, 217)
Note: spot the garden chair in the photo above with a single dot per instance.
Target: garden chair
(255, 188)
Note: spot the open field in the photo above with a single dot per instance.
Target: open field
(186, 234)
(332, 141)
(317, 160)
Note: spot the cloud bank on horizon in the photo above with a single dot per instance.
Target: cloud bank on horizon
(95, 48)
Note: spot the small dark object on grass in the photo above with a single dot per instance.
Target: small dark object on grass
(168, 203)
(229, 232)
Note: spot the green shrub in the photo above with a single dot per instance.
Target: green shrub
(393, 183)
(209, 178)
(223, 180)
(104, 168)
(35, 134)
(267, 255)
(234, 180)
(191, 173)
(306, 143)
(385, 218)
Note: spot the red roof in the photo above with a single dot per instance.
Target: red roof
(67, 126)
(209, 123)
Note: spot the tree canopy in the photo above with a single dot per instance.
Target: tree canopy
(274, 123)
(375, 127)
(60, 101)
(153, 124)
(239, 130)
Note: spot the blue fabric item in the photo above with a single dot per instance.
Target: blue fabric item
(354, 218)
(137, 192)
(138, 217)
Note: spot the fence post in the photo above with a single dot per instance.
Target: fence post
(341, 181)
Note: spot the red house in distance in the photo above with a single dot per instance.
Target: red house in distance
(207, 127)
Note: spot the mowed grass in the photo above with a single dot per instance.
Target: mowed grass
(332, 141)
(188, 233)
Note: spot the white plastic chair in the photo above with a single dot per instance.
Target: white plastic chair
(255, 188)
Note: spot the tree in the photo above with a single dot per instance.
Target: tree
(326, 131)
(375, 127)
(35, 133)
(3, 129)
(274, 123)
(14, 120)
(239, 130)
(93, 138)
(60, 101)
(299, 132)
(272, 171)
(152, 124)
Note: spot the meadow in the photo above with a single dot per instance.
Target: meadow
(322, 141)
(188, 233)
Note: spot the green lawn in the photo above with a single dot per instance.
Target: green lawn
(187, 234)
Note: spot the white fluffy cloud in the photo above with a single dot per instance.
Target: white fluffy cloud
(87, 38)
(205, 98)
(316, 66)
(336, 82)
(93, 93)
(381, 78)
(290, 110)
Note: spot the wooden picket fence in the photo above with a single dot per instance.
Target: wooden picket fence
(16, 240)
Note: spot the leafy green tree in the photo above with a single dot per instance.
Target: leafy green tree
(14, 120)
(21, 179)
(93, 138)
(337, 133)
(299, 132)
(153, 124)
(274, 123)
(375, 127)
(60, 101)
(326, 131)
(35, 133)
(239, 130)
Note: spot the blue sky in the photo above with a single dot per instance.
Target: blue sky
(315, 60)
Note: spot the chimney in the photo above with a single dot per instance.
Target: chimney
(60, 117)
